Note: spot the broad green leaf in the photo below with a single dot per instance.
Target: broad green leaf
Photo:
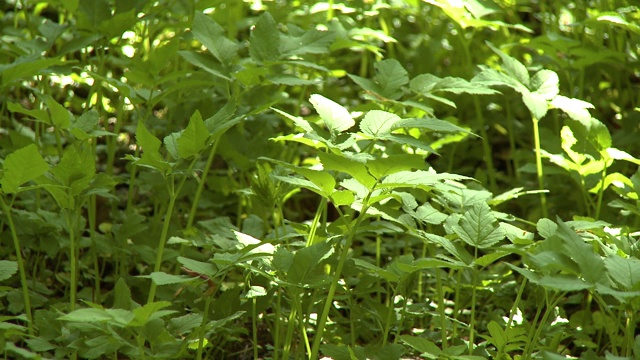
(212, 36)
(162, 278)
(591, 264)
(205, 62)
(428, 214)
(264, 42)
(122, 295)
(150, 311)
(478, 227)
(384, 166)
(60, 116)
(388, 81)
(376, 123)
(87, 315)
(546, 228)
(624, 271)
(422, 345)
(431, 124)
(564, 283)
(617, 20)
(576, 109)
(26, 67)
(335, 117)
(342, 197)
(511, 66)
(536, 103)
(498, 336)
(194, 138)
(7, 269)
(76, 169)
(150, 150)
(420, 178)
(376, 270)
(428, 83)
(545, 83)
(200, 267)
(37, 114)
(311, 42)
(305, 261)
(21, 166)
(357, 170)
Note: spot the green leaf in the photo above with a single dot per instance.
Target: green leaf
(76, 169)
(357, 170)
(26, 67)
(624, 271)
(431, 124)
(590, 263)
(388, 81)
(380, 167)
(212, 36)
(256, 291)
(377, 123)
(374, 270)
(420, 178)
(305, 261)
(342, 197)
(576, 109)
(205, 62)
(335, 117)
(87, 315)
(37, 114)
(149, 312)
(428, 83)
(546, 228)
(60, 116)
(478, 227)
(162, 278)
(311, 42)
(264, 42)
(545, 83)
(194, 138)
(122, 295)
(7, 269)
(150, 150)
(564, 283)
(200, 267)
(21, 166)
(422, 345)
(511, 66)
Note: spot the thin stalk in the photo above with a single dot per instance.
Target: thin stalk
(196, 196)
(73, 259)
(163, 239)
(254, 327)
(207, 305)
(443, 320)
(316, 220)
(276, 335)
(92, 234)
(472, 323)
(23, 275)
(536, 138)
(387, 325)
(338, 273)
(289, 336)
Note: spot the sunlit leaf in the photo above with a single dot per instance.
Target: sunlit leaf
(21, 166)
(478, 227)
(335, 117)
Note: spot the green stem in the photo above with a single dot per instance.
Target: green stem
(205, 172)
(73, 259)
(163, 240)
(317, 341)
(254, 327)
(536, 139)
(23, 275)
(207, 304)
(441, 310)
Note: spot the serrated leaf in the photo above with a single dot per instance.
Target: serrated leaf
(624, 271)
(212, 36)
(194, 138)
(7, 269)
(311, 42)
(564, 283)
(76, 169)
(546, 228)
(305, 261)
(418, 178)
(381, 167)
(122, 295)
(536, 103)
(87, 315)
(422, 345)
(200, 267)
(21, 166)
(576, 109)
(377, 123)
(205, 62)
(431, 124)
(264, 41)
(391, 76)
(335, 117)
(60, 116)
(511, 66)
(591, 264)
(478, 227)
(428, 83)
(161, 278)
(545, 83)
(149, 312)
(150, 149)
(357, 170)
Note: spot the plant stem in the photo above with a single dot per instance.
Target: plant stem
(23, 275)
(73, 259)
(536, 139)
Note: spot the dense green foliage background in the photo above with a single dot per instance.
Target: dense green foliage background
(297, 179)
